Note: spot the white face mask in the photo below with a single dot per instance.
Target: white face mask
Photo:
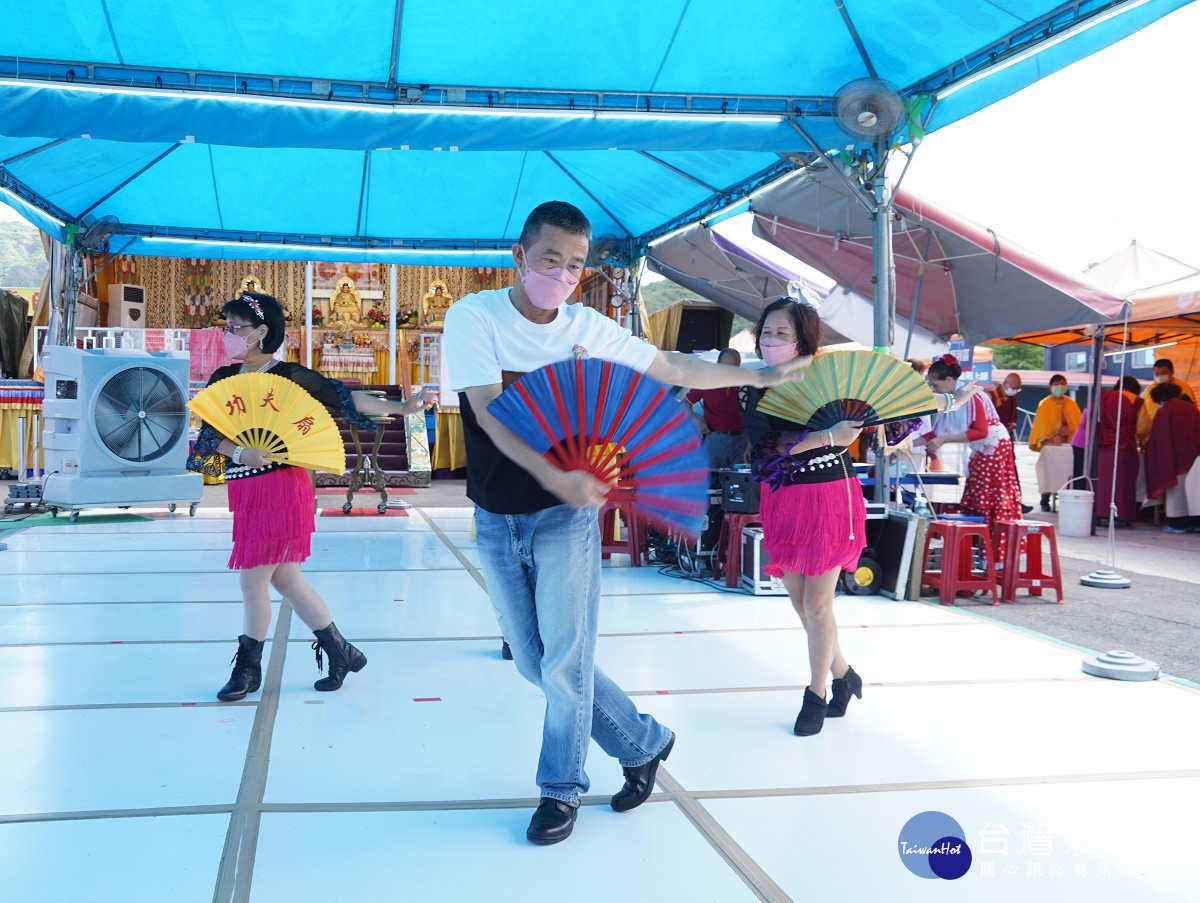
(1162, 379)
(1011, 393)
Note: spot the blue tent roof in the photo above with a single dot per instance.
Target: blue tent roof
(424, 131)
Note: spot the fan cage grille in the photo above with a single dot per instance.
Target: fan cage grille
(140, 414)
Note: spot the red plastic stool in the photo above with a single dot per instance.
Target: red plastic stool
(957, 574)
(634, 542)
(727, 559)
(1000, 548)
(1028, 537)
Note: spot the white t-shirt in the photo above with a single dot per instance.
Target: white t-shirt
(486, 335)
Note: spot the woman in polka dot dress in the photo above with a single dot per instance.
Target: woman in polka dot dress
(991, 489)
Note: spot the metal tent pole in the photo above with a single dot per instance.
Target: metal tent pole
(884, 306)
(1092, 444)
(308, 308)
(881, 235)
(392, 324)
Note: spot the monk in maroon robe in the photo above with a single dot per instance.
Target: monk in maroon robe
(1171, 451)
(1119, 447)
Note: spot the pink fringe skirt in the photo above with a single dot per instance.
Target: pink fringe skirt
(807, 527)
(273, 519)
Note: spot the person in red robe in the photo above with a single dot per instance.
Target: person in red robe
(1121, 447)
(1171, 451)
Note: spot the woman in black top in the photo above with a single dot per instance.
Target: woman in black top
(272, 503)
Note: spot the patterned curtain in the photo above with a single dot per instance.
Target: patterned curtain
(187, 293)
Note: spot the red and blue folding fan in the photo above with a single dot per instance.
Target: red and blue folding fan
(620, 426)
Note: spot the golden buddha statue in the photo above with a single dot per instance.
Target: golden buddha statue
(345, 305)
(436, 302)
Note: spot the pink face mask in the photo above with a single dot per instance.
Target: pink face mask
(236, 346)
(549, 289)
(776, 351)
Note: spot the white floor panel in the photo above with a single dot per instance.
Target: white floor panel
(29, 541)
(330, 552)
(1103, 842)
(652, 854)
(101, 623)
(477, 737)
(416, 617)
(116, 860)
(215, 523)
(66, 761)
(744, 741)
(715, 610)
(629, 581)
(116, 673)
(222, 586)
(350, 587)
(214, 586)
(449, 514)
(950, 652)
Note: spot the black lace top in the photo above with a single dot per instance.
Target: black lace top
(205, 458)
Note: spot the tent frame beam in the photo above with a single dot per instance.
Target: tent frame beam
(207, 82)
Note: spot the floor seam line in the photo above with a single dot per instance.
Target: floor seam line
(441, 534)
(741, 862)
(236, 871)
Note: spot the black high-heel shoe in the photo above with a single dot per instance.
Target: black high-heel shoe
(812, 715)
(843, 689)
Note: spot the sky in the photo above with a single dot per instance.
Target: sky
(1084, 161)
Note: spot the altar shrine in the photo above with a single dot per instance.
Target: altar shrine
(350, 334)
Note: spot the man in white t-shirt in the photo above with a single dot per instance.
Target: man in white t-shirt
(538, 536)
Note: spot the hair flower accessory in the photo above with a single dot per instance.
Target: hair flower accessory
(949, 359)
(580, 352)
(254, 305)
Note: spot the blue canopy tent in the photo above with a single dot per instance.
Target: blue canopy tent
(423, 131)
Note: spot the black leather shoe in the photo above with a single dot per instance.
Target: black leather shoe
(639, 782)
(1045, 502)
(343, 658)
(812, 715)
(552, 822)
(505, 651)
(247, 670)
(843, 689)
(1025, 509)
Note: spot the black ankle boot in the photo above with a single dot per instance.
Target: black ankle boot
(1045, 501)
(342, 657)
(843, 689)
(812, 715)
(247, 670)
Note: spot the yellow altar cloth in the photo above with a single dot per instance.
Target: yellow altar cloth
(449, 448)
(17, 402)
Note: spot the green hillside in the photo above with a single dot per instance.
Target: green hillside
(22, 263)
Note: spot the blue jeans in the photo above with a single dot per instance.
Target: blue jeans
(543, 576)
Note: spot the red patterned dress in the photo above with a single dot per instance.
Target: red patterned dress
(991, 490)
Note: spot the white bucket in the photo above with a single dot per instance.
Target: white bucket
(1075, 511)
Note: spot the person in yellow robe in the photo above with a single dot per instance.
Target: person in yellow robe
(1054, 425)
(1164, 372)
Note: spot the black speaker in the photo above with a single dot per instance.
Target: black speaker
(739, 493)
(700, 328)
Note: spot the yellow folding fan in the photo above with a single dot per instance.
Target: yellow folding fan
(867, 386)
(275, 416)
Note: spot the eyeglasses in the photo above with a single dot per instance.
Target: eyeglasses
(234, 330)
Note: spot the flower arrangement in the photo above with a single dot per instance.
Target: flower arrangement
(318, 317)
(376, 318)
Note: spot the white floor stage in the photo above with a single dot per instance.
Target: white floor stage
(124, 780)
